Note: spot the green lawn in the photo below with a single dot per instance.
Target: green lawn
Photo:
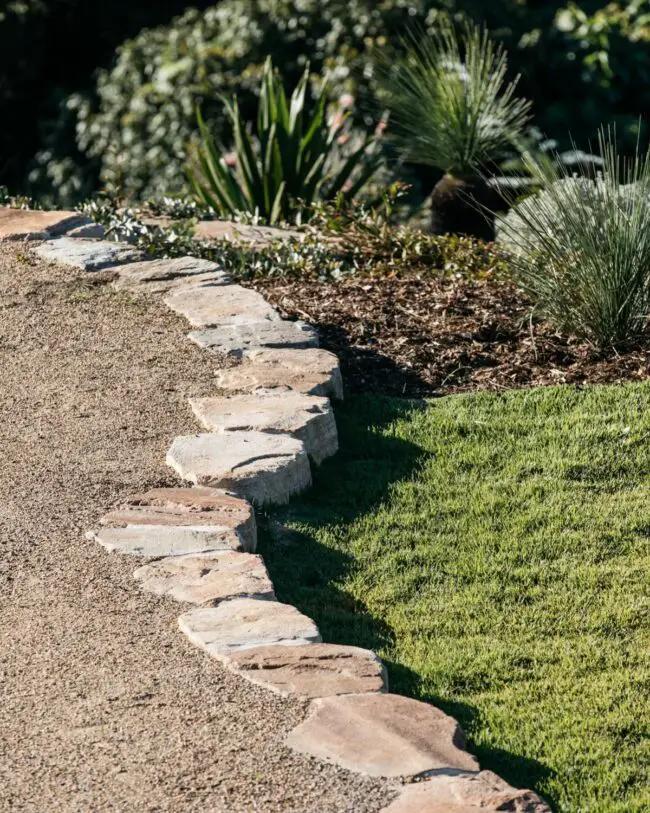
(495, 550)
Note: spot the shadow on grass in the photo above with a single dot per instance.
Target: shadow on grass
(308, 574)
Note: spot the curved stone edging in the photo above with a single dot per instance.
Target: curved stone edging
(198, 543)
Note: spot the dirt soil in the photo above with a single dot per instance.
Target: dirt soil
(423, 337)
(105, 705)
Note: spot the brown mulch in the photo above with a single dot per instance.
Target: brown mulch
(417, 337)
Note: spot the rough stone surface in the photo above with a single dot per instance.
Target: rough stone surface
(89, 255)
(316, 670)
(382, 735)
(244, 623)
(217, 305)
(235, 339)
(263, 468)
(91, 231)
(207, 578)
(29, 224)
(163, 540)
(466, 793)
(308, 418)
(315, 372)
(187, 506)
(159, 276)
(256, 235)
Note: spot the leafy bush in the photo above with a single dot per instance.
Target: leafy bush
(123, 119)
(582, 248)
(287, 166)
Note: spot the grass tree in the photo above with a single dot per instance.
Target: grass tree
(453, 108)
(582, 247)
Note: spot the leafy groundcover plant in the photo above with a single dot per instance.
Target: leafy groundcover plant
(287, 165)
(452, 108)
(581, 248)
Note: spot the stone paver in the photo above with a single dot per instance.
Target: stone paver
(316, 670)
(187, 506)
(89, 255)
(30, 224)
(90, 231)
(244, 623)
(159, 276)
(263, 468)
(466, 793)
(207, 578)
(256, 235)
(382, 735)
(217, 305)
(157, 541)
(235, 339)
(308, 418)
(311, 371)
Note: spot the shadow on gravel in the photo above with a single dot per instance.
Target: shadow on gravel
(307, 573)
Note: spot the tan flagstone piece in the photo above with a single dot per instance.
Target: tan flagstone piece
(32, 224)
(312, 371)
(236, 339)
(264, 468)
(188, 506)
(382, 735)
(466, 793)
(316, 670)
(207, 578)
(244, 623)
(217, 305)
(308, 418)
(157, 541)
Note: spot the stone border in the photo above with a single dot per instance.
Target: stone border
(199, 541)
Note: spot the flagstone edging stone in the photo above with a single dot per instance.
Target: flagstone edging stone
(362, 728)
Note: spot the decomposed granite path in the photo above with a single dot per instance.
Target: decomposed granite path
(104, 706)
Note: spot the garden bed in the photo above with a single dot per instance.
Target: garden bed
(423, 336)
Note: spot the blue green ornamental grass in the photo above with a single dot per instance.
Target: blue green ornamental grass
(495, 550)
(581, 248)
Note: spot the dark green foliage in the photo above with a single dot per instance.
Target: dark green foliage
(288, 163)
(49, 50)
(129, 124)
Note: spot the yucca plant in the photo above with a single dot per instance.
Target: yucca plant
(453, 108)
(581, 247)
(286, 164)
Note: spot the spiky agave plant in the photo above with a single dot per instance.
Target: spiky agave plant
(453, 108)
(287, 164)
(582, 247)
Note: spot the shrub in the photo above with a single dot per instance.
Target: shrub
(126, 116)
(340, 241)
(287, 166)
(451, 104)
(582, 248)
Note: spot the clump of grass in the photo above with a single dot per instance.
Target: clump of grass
(581, 248)
(451, 104)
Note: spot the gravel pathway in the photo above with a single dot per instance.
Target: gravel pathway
(104, 704)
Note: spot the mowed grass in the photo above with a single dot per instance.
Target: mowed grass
(495, 550)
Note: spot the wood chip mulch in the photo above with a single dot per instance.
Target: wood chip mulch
(416, 337)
